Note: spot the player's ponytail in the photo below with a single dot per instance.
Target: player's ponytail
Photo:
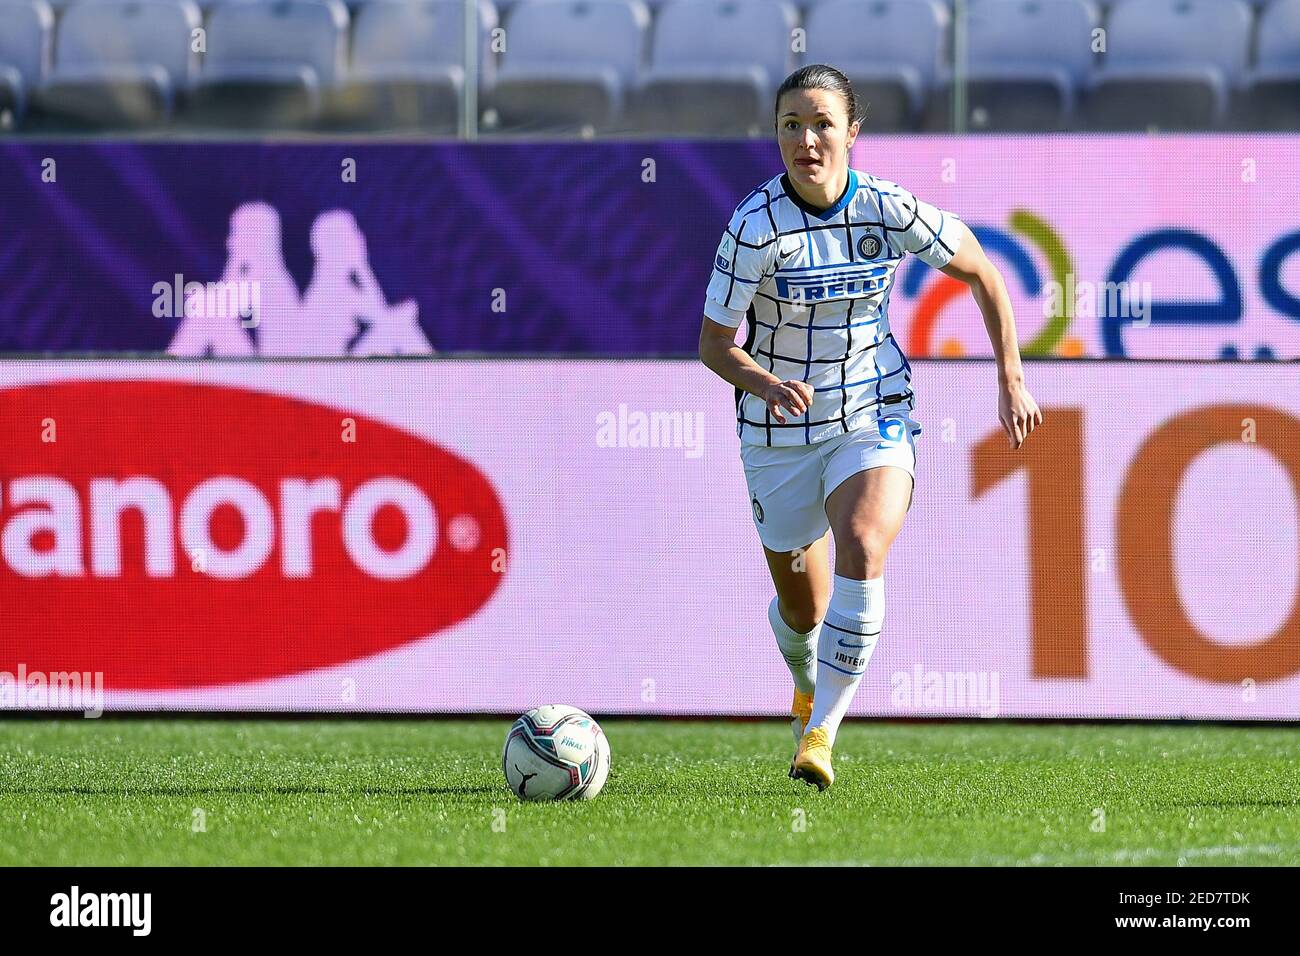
(819, 76)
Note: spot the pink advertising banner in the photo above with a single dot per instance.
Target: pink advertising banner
(486, 536)
(1145, 247)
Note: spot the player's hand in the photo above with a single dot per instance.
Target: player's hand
(792, 396)
(1017, 411)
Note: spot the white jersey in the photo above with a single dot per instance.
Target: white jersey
(814, 286)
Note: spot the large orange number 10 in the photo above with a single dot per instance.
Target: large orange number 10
(1053, 462)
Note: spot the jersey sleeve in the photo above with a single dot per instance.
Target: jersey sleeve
(928, 232)
(741, 263)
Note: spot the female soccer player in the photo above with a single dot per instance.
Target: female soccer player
(823, 396)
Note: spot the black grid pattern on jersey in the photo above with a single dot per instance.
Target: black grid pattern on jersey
(770, 198)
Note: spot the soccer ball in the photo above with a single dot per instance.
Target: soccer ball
(555, 752)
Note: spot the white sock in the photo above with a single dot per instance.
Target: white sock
(799, 650)
(849, 635)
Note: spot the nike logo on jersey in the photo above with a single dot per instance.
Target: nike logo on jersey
(788, 249)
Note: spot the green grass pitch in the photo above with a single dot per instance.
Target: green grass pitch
(419, 792)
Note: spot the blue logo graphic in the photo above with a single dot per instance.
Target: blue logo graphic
(891, 432)
(822, 283)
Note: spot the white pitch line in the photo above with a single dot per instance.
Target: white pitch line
(1042, 859)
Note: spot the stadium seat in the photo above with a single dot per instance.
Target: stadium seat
(892, 51)
(408, 66)
(1025, 61)
(120, 64)
(26, 44)
(569, 64)
(503, 7)
(1271, 97)
(715, 67)
(1169, 64)
(270, 64)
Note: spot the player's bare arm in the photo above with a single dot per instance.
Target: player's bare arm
(1017, 410)
(719, 351)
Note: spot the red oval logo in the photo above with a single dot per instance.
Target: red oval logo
(178, 535)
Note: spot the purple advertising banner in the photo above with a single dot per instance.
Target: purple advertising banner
(367, 249)
(1115, 246)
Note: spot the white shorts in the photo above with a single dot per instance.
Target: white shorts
(789, 484)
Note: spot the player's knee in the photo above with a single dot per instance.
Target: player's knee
(862, 555)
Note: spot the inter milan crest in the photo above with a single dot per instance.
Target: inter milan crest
(869, 247)
(758, 511)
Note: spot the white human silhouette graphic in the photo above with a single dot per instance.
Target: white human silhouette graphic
(344, 302)
(255, 260)
(343, 313)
